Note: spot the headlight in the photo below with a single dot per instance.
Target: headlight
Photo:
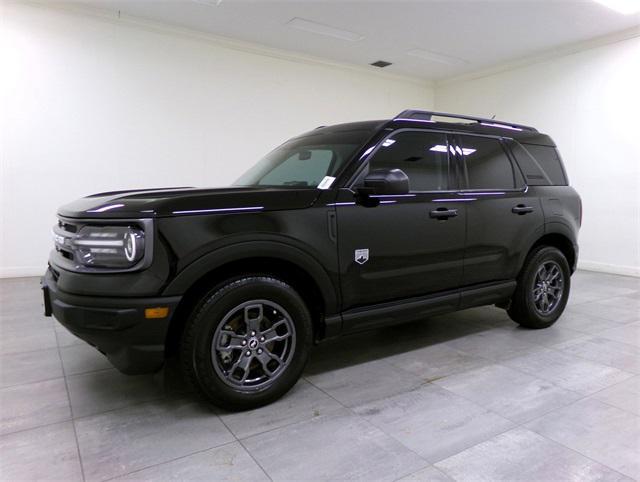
(109, 246)
(101, 246)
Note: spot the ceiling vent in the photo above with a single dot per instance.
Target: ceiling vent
(381, 63)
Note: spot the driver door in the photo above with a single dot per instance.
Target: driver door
(398, 247)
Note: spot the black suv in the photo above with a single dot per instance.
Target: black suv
(341, 229)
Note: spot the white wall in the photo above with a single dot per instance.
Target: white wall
(589, 102)
(92, 104)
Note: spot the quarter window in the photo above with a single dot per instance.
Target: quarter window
(487, 164)
(423, 156)
(549, 161)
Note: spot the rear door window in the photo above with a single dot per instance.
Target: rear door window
(487, 165)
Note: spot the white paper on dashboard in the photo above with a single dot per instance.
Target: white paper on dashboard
(326, 182)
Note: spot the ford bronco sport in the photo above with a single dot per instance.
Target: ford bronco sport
(341, 229)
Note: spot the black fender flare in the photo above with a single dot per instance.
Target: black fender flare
(558, 229)
(256, 249)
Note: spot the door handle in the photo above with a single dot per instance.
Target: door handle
(443, 213)
(521, 209)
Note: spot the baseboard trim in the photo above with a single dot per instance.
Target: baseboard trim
(609, 268)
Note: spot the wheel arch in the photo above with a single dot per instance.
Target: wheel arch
(286, 263)
(561, 242)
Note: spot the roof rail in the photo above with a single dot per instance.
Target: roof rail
(425, 116)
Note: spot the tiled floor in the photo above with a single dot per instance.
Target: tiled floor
(468, 396)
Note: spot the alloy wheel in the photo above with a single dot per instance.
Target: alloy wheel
(253, 345)
(548, 287)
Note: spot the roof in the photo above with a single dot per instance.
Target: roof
(425, 119)
(476, 125)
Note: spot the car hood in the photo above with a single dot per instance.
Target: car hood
(149, 203)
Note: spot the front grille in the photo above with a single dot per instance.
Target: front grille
(68, 227)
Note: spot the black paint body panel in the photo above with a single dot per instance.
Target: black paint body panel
(417, 265)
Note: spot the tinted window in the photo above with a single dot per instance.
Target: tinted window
(423, 156)
(549, 161)
(304, 161)
(487, 164)
(308, 166)
(533, 173)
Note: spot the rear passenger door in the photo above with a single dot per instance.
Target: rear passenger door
(503, 219)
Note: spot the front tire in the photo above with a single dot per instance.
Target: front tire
(542, 290)
(247, 342)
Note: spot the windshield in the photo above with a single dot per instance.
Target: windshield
(310, 161)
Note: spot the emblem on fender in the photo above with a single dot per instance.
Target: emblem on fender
(361, 256)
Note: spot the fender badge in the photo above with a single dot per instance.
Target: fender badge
(361, 256)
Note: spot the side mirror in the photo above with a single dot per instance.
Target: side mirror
(386, 181)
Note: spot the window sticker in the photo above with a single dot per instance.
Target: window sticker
(326, 182)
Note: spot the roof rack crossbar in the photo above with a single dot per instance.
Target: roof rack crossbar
(425, 115)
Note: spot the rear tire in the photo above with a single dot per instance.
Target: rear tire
(542, 290)
(247, 342)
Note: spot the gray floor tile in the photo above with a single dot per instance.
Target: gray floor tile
(434, 422)
(97, 392)
(27, 287)
(509, 393)
(364, 382)
(386, 342)
(33, 366)
(485, 316)
(82, 358)
(30, 336)
(608, 352)
(594, 345)
(21, 298)
(553, 335)
(122, 441)
(27, 309)
(495, 344)
(520, 454)
(603, 284)
(23, 316)
(65, 337)
(336, 446)
(428, 474)
(229, 462)
(624, 395)
(436, 361)
(629, 334)
(616, 313)
(584, 323)
(568, 371)
(303, 402)
(45, 453)
(580, 295)
(600, 431)
(33, 404)
(629, 302)
(449, 327)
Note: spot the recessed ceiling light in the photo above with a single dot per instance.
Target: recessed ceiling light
(626, 7)
(309, 26)
(435, 57)
(380, 63)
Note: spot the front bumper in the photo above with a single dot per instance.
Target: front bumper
(115, 326)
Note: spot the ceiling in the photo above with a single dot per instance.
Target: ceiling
(452, 37)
